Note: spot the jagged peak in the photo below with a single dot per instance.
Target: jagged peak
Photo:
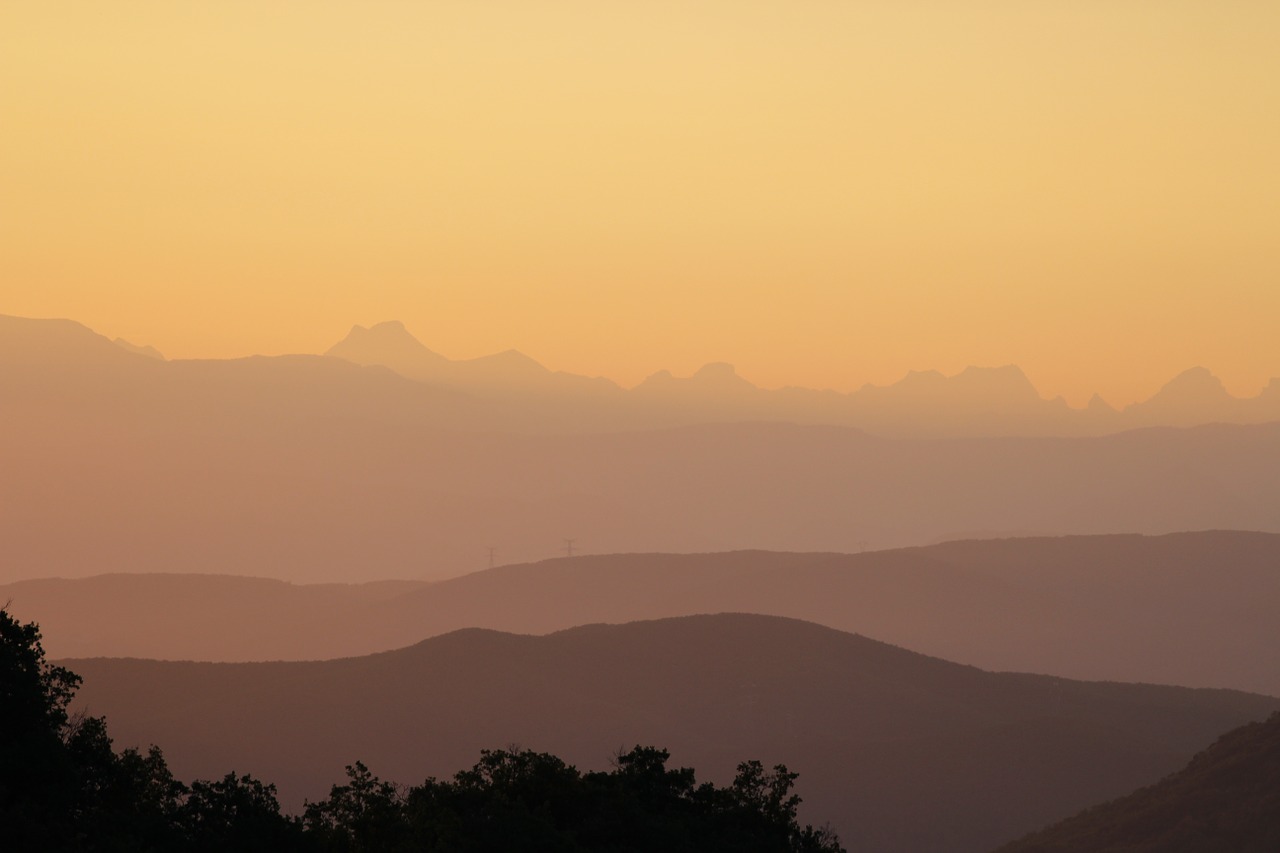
(385, 329)
(381, 341)
(1097, 404)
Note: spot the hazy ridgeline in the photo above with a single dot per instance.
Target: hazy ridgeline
(1194, 609)
(309, 468)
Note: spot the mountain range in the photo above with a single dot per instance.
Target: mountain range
(900, 752)
(311, 468)
(977, 401)
(510, 390)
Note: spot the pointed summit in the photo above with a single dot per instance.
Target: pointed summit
(1194, 380)
(1195, 386)
(1194, 396)
(1098, 405)
(389, 344)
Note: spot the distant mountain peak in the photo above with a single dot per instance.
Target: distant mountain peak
(1196, 384)
(1099, 405)
(1200, 376)
(387, 343)
(387, 332)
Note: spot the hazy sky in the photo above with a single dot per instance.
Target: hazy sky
(824, 193)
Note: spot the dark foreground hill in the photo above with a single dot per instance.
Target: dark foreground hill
(1194, 609)
(64, 788)
(899, 751)
(1227, 799)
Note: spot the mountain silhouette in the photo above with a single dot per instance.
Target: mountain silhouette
(313, 468)
(1194, 396)
(389, 344)
(517, 393)
(1227, 798)
(976, 401)
(901, 752)
(55, 343)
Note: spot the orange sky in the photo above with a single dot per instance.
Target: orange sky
(824, 193)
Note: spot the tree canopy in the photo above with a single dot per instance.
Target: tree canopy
(64, 788)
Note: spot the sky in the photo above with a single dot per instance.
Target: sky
(823, 193)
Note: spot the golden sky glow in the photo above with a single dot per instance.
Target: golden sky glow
(824, 193)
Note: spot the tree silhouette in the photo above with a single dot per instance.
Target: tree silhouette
(63, 788)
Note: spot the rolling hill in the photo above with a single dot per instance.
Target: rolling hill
(1194, 609)
(901, 752)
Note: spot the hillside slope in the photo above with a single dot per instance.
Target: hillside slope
(1227, 799)
(899, 751)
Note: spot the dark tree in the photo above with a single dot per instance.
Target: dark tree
(363, 816)
(63, 787)
(237, 813)
(37, 777)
